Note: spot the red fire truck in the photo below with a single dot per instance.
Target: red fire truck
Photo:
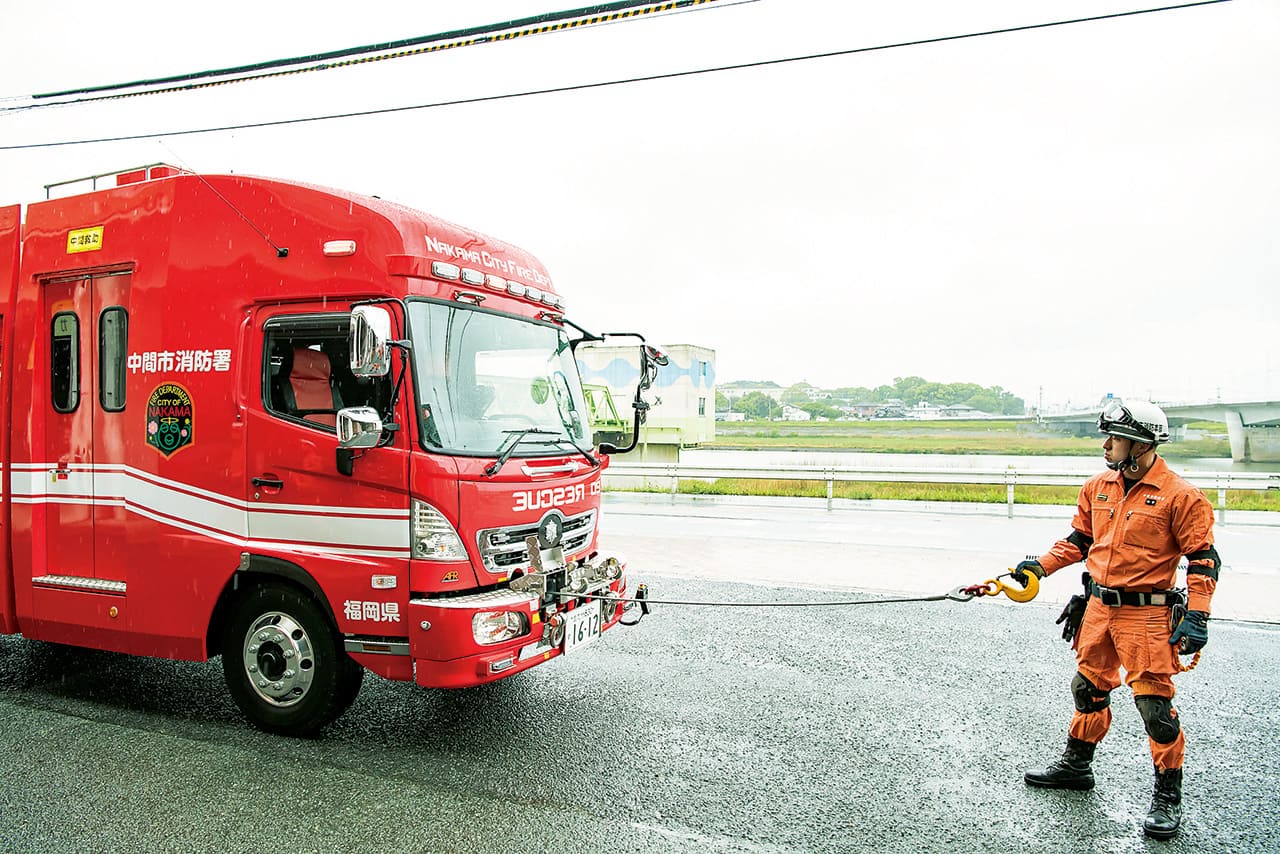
(309, 431)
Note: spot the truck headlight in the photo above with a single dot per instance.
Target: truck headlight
(490, 627)
(432, 536)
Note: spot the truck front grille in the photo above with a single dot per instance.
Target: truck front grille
(503, 550)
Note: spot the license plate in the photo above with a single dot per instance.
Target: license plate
(581, 626)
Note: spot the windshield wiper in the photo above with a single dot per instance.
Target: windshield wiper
(563, 442)
(514, 438)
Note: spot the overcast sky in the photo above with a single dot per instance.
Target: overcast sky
(1064, 212)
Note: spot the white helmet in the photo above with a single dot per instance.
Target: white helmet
(1141, 421)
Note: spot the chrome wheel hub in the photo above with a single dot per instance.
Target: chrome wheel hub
(278, 659)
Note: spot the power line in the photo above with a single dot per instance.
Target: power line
(580, 87)
(488, 33)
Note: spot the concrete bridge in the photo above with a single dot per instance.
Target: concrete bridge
(1253, 427)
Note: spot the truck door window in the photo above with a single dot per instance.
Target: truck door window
(307, 371)
(64, 362)
(113, 349)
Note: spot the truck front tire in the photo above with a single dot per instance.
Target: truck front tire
(284, 661)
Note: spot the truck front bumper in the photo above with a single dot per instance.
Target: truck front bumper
(443, 638)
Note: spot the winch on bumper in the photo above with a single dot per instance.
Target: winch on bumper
(482, 637)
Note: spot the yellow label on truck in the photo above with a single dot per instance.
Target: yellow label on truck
(85, 240)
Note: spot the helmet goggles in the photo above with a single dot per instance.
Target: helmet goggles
(1116, 420)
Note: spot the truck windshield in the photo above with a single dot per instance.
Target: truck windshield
(482, 376)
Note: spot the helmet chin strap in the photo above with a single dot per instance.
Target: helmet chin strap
(1129, 463)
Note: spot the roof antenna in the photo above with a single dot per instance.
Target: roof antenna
(281, 251)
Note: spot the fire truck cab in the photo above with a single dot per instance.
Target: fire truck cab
(309, 431)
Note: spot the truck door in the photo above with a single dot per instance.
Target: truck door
(68, 439)
(300, 507)
(10, 231)
(109, 350)
(87, 325)
(8, 619)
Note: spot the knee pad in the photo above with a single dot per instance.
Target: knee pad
(1159, 717)
(1087, 696)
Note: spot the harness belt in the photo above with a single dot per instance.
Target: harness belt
(1115, 597)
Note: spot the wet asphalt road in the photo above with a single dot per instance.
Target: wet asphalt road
(899, 727)
(889, 727)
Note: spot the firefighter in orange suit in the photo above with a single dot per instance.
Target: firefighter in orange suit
(1132, 526)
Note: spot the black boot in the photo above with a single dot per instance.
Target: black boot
(1166, 805)
(1072, 771)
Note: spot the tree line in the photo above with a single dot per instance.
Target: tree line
(909, 391)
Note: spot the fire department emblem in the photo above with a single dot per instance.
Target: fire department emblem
(550, 530)
(170, 419)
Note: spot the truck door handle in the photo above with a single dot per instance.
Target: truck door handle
(270, 482)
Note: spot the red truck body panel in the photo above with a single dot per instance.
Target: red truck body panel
(139, 487)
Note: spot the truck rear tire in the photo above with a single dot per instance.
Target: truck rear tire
(284, 661)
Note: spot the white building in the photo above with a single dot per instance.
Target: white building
(682, 399)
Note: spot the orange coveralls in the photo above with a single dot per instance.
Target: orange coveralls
(1134, 542)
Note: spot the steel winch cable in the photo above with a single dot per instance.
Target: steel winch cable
(959, 594)
(1024, 590)
(992, 587)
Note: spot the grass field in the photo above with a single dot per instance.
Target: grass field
(1017, 438)
(1020, 438)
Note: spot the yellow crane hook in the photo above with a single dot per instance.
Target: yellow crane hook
(1013, 591)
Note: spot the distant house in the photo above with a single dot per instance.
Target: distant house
(926, 411)
(794, 413)
(960, 410)
(861, 410)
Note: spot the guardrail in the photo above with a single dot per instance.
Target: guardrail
(1011, 477)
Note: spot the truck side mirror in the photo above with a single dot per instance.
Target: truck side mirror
(651, 358)
(653, 354)
(359, 427)
(370, 341)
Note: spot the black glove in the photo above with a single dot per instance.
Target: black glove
(1191, 633)
(1020, 571)
(1071, 617)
